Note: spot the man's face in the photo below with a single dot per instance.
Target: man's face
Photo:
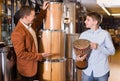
(90, 22)
(31, 17)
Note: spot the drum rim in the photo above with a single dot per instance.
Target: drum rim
(54, 60)
(53, 2)
(81, 40)
(51, 30)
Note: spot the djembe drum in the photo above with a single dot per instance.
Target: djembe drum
(82, 47)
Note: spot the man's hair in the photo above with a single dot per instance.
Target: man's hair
(95, 16)
(16, 17)
(25, 10)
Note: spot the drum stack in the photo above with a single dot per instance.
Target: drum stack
(70, 63)
(69, 17)
(52, 40)
(69, 27)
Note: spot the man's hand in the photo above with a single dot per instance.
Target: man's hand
(45, 55)
(45, 5)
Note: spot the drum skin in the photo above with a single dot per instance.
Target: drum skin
(82, 47)
(53, 42)
(54, 16)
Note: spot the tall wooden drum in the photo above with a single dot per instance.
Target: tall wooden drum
(52, 70)
(54, 16)
(53, 42)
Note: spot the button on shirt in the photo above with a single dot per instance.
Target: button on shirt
(32, 32)
(98, 60)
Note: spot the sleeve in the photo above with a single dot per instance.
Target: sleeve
(107, 47)
(39, 19)
(82, 35)
(21, 51)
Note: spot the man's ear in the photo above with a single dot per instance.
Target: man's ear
(25, 16)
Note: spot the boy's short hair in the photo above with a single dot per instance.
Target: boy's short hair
(95, 16)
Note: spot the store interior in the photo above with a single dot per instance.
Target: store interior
(66, 26)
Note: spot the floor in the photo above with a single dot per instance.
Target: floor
(115, 66)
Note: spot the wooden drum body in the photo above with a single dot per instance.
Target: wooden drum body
(82, 47)
(52, 70)
(53, 42)
(54, 16)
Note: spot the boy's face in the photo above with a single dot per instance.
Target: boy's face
(90, 22)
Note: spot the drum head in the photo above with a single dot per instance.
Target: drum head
(81, 46)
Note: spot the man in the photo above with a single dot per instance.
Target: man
(25, 42)
(102, 47)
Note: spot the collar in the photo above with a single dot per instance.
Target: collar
(98, 30)
(26, 26)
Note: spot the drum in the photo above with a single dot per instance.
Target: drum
(52, 70)
(53, 42)
(70, 63)
(81, 47)
(54, 16)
